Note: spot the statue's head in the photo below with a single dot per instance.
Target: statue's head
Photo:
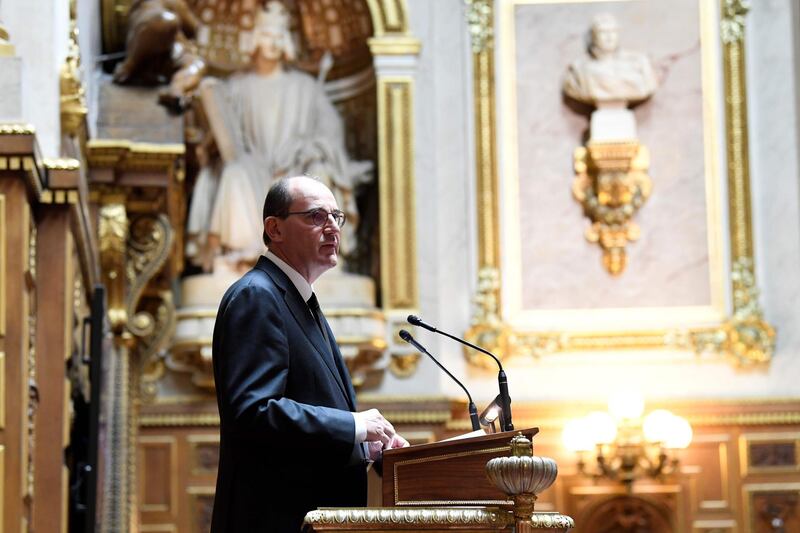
(604, 37)
(273, 40)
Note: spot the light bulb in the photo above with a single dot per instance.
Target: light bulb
(602, 427)
(657, 425)
(626, 405)
(576, 436)
(680, 435)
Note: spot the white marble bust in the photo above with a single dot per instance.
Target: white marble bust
(608, 73)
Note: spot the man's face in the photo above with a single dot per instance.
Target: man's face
(309, 249)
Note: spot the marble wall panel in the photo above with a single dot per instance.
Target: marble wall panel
(669, 265)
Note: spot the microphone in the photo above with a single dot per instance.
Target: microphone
(473, 411)
(501, 375)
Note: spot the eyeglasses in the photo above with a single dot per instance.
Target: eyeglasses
(320, 216)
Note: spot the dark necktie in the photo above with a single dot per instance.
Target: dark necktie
(313, 304)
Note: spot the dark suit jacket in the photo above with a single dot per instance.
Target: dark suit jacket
(287, 435)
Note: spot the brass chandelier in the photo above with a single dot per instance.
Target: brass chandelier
(627, 445)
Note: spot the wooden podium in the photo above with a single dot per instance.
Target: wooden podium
(444, 487)
(451, 472)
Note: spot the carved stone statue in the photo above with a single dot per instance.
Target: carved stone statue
(268, 122)
(610, 79)
(159, 47)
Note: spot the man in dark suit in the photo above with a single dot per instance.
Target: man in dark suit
(291, 439)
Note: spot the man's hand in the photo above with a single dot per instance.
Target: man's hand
(397, 442)
(378, 428)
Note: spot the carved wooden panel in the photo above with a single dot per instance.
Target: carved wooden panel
(202, 505)
(773, 507)
(15, 344)
(708, 460)
(607, 507)
(204, 454)
(158, 476)
(621, 514)
(773, 452)
(53, 346)
(176, 476)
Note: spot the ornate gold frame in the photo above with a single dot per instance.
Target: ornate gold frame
(743, 337)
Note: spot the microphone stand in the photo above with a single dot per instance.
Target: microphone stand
(473, 411)
(502, 380)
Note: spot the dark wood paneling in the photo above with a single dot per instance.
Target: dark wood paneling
(53, 343)
(15, 346)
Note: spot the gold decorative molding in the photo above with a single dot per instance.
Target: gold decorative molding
(389, 17)
(179, 420)
(62, 163)
(744, 337)
(380, 518)
(17, 129)
(486, 323)
(396, 185)
(397, 416)
(392, 46)
(50, 196)
(127, 155)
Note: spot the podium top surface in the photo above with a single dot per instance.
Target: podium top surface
(490, 440)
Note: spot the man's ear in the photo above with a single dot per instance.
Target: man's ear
(273, 229)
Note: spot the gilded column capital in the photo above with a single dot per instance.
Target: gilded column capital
(480, 20)
(732, 23)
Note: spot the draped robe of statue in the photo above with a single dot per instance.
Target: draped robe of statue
(268, 126)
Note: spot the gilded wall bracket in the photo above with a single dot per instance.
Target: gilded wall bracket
(611, 183)
(152, 313)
